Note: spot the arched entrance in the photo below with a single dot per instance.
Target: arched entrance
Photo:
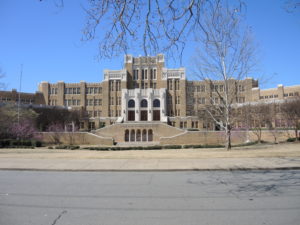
(131, 110)
(156, 110)
(144, 110)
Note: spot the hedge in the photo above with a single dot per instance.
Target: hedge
(12, 143)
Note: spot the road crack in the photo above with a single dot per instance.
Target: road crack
(59, 216)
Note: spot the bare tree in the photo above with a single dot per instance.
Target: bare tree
(291, 5)
(291, 112)
(151, 26)
(226, 54)
(260, 117)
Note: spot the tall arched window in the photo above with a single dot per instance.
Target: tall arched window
(144, 135)
(150, 135)
(132, 135)
(126, 135)
(144, 103)
(138, 135)
(156, 103)
(131, 103)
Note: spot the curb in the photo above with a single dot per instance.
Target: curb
(151, 170)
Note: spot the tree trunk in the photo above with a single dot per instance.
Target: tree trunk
(228, 139)
(259, 137)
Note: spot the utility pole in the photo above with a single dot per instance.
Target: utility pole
(19, 100)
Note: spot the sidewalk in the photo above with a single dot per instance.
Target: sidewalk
(283, 156)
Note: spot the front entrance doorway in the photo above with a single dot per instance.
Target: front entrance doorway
(144, 115)
(156, 115)
(131, 115)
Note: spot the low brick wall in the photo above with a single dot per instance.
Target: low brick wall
(218, 137)
(76, 138)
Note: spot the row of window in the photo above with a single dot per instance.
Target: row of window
(176, 84)
(171, 112)
(23, 101)
(291, 94)
(145, 85)
(115, 85)
(93, 102)
(183, 124)
(72, 102)
(72, 91)
(77, 91)
(113, 113)
(98, 113)
(93, 90)
(53, 91)
(214, 88)
(268, 96)
(138, 135)
(144, 103)
(144, 74)
(112, 101)
(53, 102)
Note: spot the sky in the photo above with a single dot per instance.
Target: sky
(46, 41)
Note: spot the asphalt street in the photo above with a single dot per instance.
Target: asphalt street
(150, 198)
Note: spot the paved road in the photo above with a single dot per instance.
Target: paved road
(150, 198)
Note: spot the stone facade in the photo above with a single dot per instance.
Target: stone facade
(25, 98)
(144, 80)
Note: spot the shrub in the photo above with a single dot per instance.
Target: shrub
(70, 147)
(291, 139)
(50, 147)
(172, 146)
(152, 147)
(193, 129)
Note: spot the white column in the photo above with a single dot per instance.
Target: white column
(150, 106)
(124, 104)
(137, 106)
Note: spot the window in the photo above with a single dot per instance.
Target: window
(111, 85)
(215, 88)
(156, 103)
(170, 85)
(241, 88)
(154, 85)
(221, 87)
(177, 100)
(291, 94)
(146, 75)
(144, 103)
(201, 100)
(177, 84)
(143, 74)
(111, 102)
(154, 74)
(118, 85)
(119, 101)
(131, 103)
(151, 74)
(202, 88)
